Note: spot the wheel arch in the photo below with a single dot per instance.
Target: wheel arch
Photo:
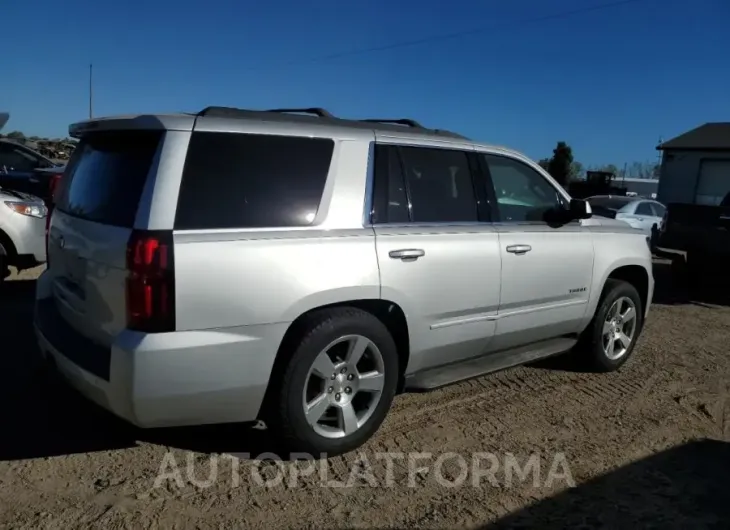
(6, 245)
(388, 312)
(634, 274)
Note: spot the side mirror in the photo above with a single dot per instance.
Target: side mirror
(580, 209)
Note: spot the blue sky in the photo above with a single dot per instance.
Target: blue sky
(610, 82)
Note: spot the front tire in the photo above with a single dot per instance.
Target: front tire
(339, 383)
(610, 338)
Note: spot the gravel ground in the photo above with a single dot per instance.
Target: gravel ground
(648, 446)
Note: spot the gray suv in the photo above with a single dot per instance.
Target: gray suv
(297, 268)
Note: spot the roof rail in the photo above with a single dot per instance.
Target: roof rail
(317, 111)
(233, 111)
(415, 125)
(402, 121)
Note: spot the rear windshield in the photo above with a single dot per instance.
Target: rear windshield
(106, 176)
(610, 203)
(252, 181)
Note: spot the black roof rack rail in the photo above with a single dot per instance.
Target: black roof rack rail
(314, 114)
(317, 111)
(233, 111)
(402, 121)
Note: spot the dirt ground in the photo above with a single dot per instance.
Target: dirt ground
(648, 446)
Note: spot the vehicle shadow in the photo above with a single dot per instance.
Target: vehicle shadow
(683, 487)
(43, 417)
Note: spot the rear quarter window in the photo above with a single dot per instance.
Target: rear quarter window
(252, 181)
(106, 175)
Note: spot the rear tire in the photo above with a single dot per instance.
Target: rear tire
(346, 396)
(610, 338)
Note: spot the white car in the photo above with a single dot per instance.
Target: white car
(22, 228)
(22, 231)
(642, 214)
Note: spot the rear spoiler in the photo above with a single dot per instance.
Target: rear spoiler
(135, 122)
(4, 117)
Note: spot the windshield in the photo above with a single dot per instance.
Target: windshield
(610, 203)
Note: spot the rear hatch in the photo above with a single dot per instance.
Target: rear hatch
(91, 226)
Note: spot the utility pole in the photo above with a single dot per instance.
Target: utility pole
(91, 93)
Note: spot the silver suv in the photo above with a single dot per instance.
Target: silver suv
(300, 269)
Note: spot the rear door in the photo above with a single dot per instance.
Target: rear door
(95, 213)
(438, 255)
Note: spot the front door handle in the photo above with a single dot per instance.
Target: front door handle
(519, 249)
(407, 254)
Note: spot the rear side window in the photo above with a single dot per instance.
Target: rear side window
(659, 210)
(644, 208)
(252, 181)
(440, 185)
(106, 175)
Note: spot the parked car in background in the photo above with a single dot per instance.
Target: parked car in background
(25, 170)
(642, 214)
(700, 230)
(290, 266)
(22, 231)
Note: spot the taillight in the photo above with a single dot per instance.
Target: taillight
(150, 288)
(53, 184)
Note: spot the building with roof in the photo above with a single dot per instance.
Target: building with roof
(696, 166)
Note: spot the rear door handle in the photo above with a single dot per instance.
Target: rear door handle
(407, 254)
(519, 249)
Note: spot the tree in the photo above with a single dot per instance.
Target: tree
(544, 163)
(560, 164)
(16, 135)
(576, 170)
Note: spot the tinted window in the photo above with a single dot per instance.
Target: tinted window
(643, 208)
(389, 190)
(249, 180)
(658, 209)
(439, 184)
(106, 176)
(14, 158)
(522, 193)
(610, 203)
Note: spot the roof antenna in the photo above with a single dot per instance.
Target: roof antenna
(91, 92)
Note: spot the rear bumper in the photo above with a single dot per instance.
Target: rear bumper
(169, 379)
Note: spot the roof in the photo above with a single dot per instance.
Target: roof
(319, 115)
(710, 136)
(402, 128)
(307, 116)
